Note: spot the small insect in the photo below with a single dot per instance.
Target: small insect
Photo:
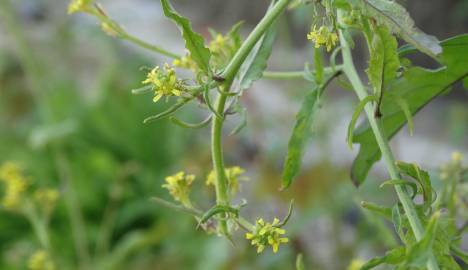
(218, 78)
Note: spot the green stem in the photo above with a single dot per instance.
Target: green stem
(408, 205)
(230, 72)
(291, 75)
(217, 156)
(234, 65)
(121, 33)
(148, 46)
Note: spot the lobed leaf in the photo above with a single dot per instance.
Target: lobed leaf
(194, 42)
(398, 20)
(417, 86)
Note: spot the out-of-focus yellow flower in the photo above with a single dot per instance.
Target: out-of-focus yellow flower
(40, 260)
(218, 43)
(355, 264)
(233, 175)
(323, 37)
(15, 185)
(46, 198)
(179, 186)
(457, 157)
(79, 6)
(266, 234)
(185, 62)
(164, 82)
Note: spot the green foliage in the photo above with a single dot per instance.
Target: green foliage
(413, 88)
(397, 19)
(194, 42)
(256, 61)
(298, 139)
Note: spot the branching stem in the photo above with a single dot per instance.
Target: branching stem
(376, 125)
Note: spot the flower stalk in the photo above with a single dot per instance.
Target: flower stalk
(387, 154)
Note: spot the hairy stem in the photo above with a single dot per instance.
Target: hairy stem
(376, 125)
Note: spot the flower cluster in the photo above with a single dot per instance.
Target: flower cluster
(453, 167)
(186, 62)
(15, 185)
(323, 37)
(79, 6)
(40, 260)
(164, 82)
(46, 199)
(222, 49)
(233, 175)
(267, 234)
(179, 186)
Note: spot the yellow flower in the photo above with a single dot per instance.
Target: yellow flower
(355, 264)
(323, 37)
(164, 82)
(15, 185)
(79, 6)
(267, 234)
(46, 198)
(186, 62)
(457, 157)
(40, 260)
(218, 43)
(179, 186)
(233, 175)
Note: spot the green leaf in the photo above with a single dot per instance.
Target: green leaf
(398, 20)
(397, 222)
(256, 61)
(418, 86)
(378, 209)
(419, 253)
(393, 257)
(355, 117)
(384, 61)
(422, 177)
(194, 42)
(298, 139)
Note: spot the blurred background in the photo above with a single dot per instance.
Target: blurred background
(68, 118)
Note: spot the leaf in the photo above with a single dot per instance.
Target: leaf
(419, 253)
(393, 256)
(355, 117)
(298, 139)
(423, 179)
(398, 20)
(256, 61)
(384, 61)
(377, 209)
(397, 222)
(417, 86)
(194, 42)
